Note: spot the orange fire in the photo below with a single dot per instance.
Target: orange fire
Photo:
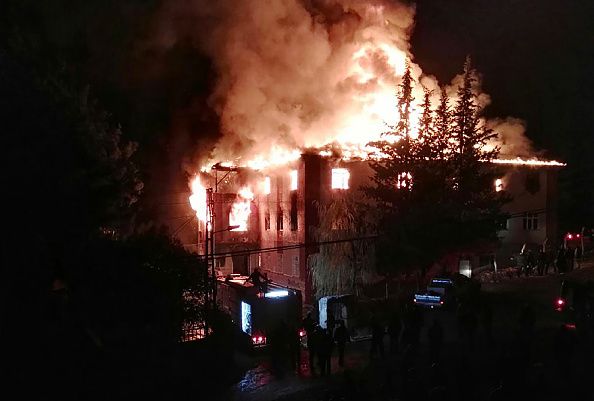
(241, 209)
(198, 199)
(529, 162)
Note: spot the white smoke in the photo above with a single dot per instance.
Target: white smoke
(295, 74)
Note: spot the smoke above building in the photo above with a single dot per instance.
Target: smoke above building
(297, 74)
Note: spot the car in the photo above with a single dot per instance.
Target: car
(439, 292)
(429, 299)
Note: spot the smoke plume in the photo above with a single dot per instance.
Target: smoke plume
(295, 74)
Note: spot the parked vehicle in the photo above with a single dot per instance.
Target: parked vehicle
(258, 311)
(439, 292)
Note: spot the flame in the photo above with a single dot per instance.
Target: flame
(529, 162)
(241, 209)
(198, 199)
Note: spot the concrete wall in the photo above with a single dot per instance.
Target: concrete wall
(534, 200)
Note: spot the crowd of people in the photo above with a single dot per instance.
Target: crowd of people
(410, 338)
(541, 262)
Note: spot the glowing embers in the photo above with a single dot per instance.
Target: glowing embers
(498, 185)
(241, 209)
(198, 199)
(266, 185)
(293, 174)
(528, 162)
(340, 178)
(404, 181)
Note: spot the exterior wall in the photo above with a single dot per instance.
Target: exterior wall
(534, 200)
(285, 267)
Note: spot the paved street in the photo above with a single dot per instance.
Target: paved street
(474, 369)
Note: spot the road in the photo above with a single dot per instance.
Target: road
(463, 370)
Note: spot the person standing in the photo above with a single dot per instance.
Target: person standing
(377, 338)
(294, 347)
(325, 351)
(394, 329)
(569, 258)
(341, 337)
(578, 257)
(435, 335)
(309, 325)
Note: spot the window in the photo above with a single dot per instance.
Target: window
(498, 185)
(530, 221)
(293, 214)
(532, 183)
(404, 180)
(266, 185)
(293, 174)
(295, 272)
(279, 220)
(267, 220)
(340, 178)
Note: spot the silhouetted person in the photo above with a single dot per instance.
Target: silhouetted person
(331, 322)
(569, 254)
(294, 347)
(435, 335)
(487, 321)
(560, 260)
(309, 325)
(578, 257)
(325, 351)
(541, 262)
(377, 338)
(341, 337)
(257, 279)
(394, 328)
(278, 348)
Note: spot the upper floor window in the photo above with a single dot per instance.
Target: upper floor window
(340, 178)
(498, 185)
(530, 221)
(266, 185)
(293, 174)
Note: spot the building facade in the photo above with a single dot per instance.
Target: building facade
(284, 214)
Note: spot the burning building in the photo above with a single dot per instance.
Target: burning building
(270, 222)
(321, 75)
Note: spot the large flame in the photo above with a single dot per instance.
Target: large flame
(198, 199)
(241, 209)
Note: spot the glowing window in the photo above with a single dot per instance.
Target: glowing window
(293, 175)
(498, 185)
(340, 178)
(404, 180)
(266, 185)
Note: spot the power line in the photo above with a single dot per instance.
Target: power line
(289, 247)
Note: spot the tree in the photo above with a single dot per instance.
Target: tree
(449, 187)
(338, 268)
(443, 122)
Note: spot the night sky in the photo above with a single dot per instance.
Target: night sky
(536, 58)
